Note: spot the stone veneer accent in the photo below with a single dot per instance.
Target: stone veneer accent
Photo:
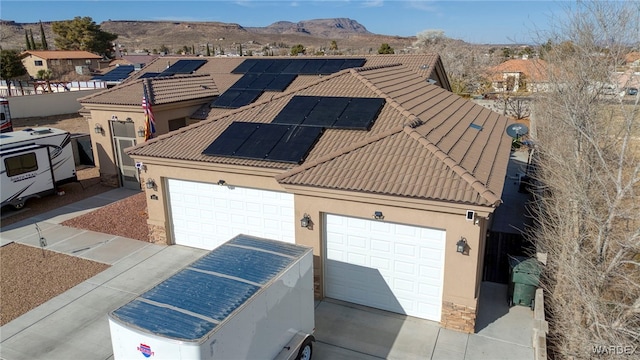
(458, 317)
(109, 180)
(317, 293)
(157, 234)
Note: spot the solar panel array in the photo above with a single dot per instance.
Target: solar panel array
(183, 67)
(276, 75)
(297, 66)
(331, 112)
(271, 142)
(118, 74)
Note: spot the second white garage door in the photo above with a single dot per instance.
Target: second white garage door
(206, 215)
(388, 266)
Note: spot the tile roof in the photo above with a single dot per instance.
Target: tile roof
(534, 69)
(61, 54)
(162, 90)
(421, 145)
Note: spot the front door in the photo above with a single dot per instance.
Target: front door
(124, 136)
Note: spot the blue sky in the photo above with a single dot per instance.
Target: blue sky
(476, 21)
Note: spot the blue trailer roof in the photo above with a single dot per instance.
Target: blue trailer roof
(191, 303)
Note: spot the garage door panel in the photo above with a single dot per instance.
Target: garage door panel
(389, 266)
(206, 215)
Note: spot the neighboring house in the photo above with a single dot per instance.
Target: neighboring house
(59, 62)
(385, 176)
(519, 75)
(632, 59)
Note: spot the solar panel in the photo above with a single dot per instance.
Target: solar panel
(118, 74)
(326, 112)
(149, 75)
(262, 81)
(360, 114)
(272, 142)
(353, 63)
(296, 110)
(331, 66)
(244, 66)
(259, 144)
(281, 82)
(231, 139)
(296, 144)
(245, 97)
(312, 67)
(261, 66)
(183, 67)
(278, 66)
(295, 66)
(226, 98)
(245, 81)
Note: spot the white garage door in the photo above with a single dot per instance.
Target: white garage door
(206, 215)
(388, 266)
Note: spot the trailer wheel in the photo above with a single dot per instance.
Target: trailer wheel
(19, 205)
(306, 350)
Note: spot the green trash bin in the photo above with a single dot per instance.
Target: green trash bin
(524, 277)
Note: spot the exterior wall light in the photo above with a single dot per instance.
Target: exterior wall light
(461, 245)
(305, 222)
(221, 182)
(98, 129)
(378, 215)
(150, 184)
(140, 131)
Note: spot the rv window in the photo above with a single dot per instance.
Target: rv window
(2, 116)
(18, 165)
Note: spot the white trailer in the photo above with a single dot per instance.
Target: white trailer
(34, 163)
(250, 298)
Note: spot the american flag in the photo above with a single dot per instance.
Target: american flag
(149, 120)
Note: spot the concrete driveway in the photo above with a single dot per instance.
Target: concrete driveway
(74, 324)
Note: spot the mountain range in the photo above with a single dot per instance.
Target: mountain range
(350, 36)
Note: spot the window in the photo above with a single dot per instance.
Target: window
(21, 164)
(69, 62)
(88, 61)
(37, 62)
(55, 62)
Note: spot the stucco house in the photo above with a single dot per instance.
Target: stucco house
(519, 75)
(59, 62)
(389, 176)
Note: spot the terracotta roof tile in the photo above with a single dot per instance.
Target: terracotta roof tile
(163, 90)
(420, 146)
(533, 69)
(61, 54)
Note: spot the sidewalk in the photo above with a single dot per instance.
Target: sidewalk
(74, 324)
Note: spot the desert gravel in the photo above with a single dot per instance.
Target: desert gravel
(31, 276)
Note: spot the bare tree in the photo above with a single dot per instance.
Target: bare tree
(464, 63)
(588, 204)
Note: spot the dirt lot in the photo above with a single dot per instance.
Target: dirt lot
(29, 276)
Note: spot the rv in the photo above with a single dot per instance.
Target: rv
(34, 163)
(5, 116)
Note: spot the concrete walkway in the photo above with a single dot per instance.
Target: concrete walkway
(74, 324)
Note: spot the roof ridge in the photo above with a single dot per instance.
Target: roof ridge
(413, 119)
(375, 67)
(467, 176)
(339, 152)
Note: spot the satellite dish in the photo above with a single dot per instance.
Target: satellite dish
(517, 130)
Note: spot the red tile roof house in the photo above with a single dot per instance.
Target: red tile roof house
(60, 62)
(506, 76)
(384, 206)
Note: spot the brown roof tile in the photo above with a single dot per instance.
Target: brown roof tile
(420, 146)
(163, 90)
(62, 54)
